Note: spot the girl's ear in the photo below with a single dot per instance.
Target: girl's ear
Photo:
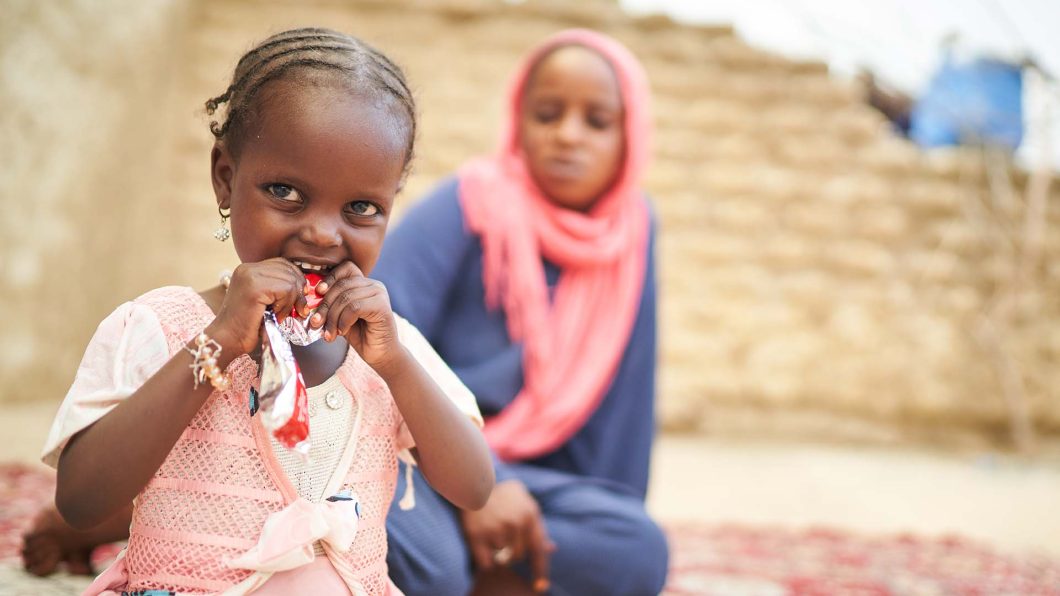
(222, 168)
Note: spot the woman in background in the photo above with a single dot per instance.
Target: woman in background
(531, 273)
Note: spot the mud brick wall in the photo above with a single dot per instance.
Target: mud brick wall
(819, 276)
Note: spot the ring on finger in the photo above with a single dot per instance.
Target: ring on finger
(503, 555)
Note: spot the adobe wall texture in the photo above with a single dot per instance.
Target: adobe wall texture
(819, 276)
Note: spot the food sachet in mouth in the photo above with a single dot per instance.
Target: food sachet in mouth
(296, 328)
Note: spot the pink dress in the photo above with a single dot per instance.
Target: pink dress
(221, 514)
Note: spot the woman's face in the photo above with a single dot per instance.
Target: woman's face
(571, 128)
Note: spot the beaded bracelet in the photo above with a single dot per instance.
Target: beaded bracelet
(204, 362)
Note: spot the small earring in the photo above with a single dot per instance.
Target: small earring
(223, 233)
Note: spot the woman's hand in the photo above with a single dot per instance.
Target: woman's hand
(358, 308)
(509, 528)
(254, 287)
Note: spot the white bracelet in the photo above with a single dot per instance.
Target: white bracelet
(204, 363)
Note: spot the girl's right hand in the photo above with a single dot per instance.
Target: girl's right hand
(255, 287)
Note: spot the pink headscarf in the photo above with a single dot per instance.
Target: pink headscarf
(573, 345)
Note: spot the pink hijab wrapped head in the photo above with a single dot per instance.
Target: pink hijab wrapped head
(574, 338)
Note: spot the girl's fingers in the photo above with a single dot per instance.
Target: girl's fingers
(342, 285)
(345, 274)
(345, 270)
(321, 315)
(327, 305)
(347, 319)
(285, 297)
(288, 294)
(346, 294)
(301, 305)
(274, 284)
(362, 304)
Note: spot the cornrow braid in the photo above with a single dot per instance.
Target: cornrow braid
(310, 49)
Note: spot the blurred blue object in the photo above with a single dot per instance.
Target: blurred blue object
(975, 102)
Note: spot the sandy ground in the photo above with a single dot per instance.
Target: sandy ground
(1010, 503)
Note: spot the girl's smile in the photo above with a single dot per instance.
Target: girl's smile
(322, 269)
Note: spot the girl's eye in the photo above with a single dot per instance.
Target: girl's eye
(363, 208)
(282, 192)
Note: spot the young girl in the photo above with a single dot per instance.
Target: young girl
(315, 145)
(533, 277)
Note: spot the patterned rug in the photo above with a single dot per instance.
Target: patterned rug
(742, 560)
(723, 560)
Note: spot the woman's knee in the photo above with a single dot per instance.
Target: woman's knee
(420, 570)
(647, 557)
(435, 581)
(426, 551)
(610, 547)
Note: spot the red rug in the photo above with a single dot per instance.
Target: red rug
(735, 560)
(727, 560)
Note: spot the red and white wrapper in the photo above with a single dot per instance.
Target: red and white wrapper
(283, 403)
(295, 328)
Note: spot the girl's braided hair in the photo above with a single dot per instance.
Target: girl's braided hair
(300, 52)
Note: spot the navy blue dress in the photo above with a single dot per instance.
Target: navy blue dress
(591, 490)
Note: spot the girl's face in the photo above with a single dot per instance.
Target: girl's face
(315, 178)
(572, 127)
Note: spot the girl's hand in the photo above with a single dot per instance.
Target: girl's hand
(508, 529)
(358, 308)
(255, 287)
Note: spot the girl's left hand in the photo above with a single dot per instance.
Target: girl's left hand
(358, 308)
